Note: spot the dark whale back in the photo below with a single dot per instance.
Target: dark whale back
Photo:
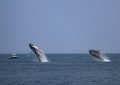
(95, 53)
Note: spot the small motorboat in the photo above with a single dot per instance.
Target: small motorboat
(13, 56)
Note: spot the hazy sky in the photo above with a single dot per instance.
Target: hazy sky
(60, 26)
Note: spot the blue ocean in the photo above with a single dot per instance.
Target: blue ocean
(62, 69)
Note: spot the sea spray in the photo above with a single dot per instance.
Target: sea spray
(105, 58)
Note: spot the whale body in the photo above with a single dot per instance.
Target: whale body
(98, 55)
(39, 53)
(95, 53)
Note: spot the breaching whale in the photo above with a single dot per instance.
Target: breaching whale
(39, 53)
(98, 55)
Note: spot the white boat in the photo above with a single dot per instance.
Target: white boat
(13, 56)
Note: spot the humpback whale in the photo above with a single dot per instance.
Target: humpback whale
(98, 55)
(39, 53)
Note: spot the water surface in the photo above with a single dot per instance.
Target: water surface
(63, 69)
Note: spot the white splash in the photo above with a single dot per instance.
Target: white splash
(104, 58)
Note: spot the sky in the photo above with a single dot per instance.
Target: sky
(60, 26)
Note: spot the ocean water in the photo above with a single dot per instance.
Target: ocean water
(62, 69)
